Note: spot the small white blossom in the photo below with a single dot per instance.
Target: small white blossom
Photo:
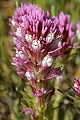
(28, 38)
(50, 37)
(22, 24)
(38, 80)
(18, 32)
(59, 37)
(17, 53)
(28, 75)
(59, 44)
(36, 45)
(20, 54)
(44, 62)
(76, 86)
(47, 61)
(58, 40)
(44, 91)
(13, 22)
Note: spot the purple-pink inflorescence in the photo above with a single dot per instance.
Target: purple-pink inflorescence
(77, 86)
(67, 30)
(36, 38)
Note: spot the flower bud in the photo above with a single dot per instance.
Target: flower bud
(30, 75)
(18, 32)
(22, 24)
(28, 38)
(36, 45)
(20, 54)
(13, 22)
(59, 44)
(47, 61)
(50, 37)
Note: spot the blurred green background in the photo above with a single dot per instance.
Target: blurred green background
(10, 82)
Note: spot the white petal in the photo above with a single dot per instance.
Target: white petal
(50, 37)
(36, 45)
(28, 38)
(28, 75)
(13, 22)
(44, 62)
(49, 61)
(18, 32)
(21, 55)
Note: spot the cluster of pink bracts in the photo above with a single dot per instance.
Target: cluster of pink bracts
(39, 40)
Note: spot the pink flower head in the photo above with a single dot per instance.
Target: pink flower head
(77, 86)
(67, 30)
(35, 36)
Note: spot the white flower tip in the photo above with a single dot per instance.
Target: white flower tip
(18, 32)
(47, 61)
(59, 37)
(59, 44)
(17, 53)
(38, 81)
(13, 22)
(28, 75)
(44, 91)
(22, 24)
(28, 38)
(50, 37)
(36, 45)
(20, 54)
(44, 61)
(75, 85)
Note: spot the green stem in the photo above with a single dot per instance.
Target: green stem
(55, 116)
(58, 97)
